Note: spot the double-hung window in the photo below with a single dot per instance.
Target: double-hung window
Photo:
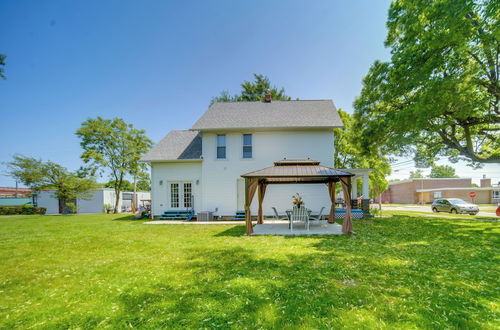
(496, 194)
(247, 145)
(221, 146)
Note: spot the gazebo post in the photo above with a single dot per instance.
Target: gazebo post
(331, 192)
(250, 188)
(262, 192)
(347, 225)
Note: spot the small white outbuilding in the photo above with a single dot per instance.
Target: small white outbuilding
(96, 203)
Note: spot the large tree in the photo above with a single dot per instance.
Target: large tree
(439, 93)
(348, 153)
(443, 171)
(253, 91)
(37, 175)
(113, 145)
(2, 65)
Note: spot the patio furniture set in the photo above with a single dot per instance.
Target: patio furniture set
(301, 215)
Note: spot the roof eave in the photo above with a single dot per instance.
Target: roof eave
(257, 128)
(171, 160)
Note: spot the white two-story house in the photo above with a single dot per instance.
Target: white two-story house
(201, 168)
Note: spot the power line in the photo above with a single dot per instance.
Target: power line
(402, 163)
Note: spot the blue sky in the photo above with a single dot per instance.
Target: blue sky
(157, 64)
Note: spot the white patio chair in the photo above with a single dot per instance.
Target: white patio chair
(277, 216)
(300, 214)
(318, 217)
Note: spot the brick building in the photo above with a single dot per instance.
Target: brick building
(13, 192)
(426, 190)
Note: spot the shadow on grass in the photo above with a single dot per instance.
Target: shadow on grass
(236, 230)
(129, 217)
(408, 274)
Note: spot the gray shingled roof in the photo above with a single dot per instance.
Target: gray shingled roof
(276, 114)
(176, 145)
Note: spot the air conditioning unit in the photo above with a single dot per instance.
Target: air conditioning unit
(205, 216)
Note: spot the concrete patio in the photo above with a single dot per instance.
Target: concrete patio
(270, 227)
(281, 228)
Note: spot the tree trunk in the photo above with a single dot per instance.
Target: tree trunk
(134, 198)
(117, 199)
(118, 185)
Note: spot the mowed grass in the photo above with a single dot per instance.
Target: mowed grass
(439, 215)
(104, 271)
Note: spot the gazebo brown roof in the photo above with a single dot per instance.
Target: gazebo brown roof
(297, 171)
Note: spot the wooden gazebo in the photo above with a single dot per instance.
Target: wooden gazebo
(297, 171)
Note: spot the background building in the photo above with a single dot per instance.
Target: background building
(426, 190)
(14, 196)
(96, 203)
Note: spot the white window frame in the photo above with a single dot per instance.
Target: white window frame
(217, 146)
(246, 145)
(495, 194)
(438, 194)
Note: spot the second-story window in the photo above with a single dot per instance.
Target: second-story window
(247, 145)
(221, 146)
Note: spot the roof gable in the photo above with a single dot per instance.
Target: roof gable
(176, 145)
(268, 115)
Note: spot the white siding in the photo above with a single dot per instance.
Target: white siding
(46, 199)
(178, 172)
(219, 183)
(109, 198)
(94, 204)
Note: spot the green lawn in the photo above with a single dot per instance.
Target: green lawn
(101, 271)
(438, 214)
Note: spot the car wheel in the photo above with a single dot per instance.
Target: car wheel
(473, 213)
(435, 210)
(453, 211)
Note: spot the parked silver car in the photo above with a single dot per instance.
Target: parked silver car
(454, 205)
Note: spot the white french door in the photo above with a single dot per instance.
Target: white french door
(181, 195)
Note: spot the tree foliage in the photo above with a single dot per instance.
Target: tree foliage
(126, 185)
(443, 171)
(2, 65)
(253, 91)
(348, 153)
(143, 184)
(439, 94)
(38, 175)
(114, 145)
(417, 174)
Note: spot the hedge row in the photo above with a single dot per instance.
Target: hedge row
(22, 209)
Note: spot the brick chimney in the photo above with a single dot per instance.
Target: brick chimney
(267, 97)
(485, 183)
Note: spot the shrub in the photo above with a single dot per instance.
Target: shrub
(70, 207)
(375, 211)
(27, 209)
(23, 209)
